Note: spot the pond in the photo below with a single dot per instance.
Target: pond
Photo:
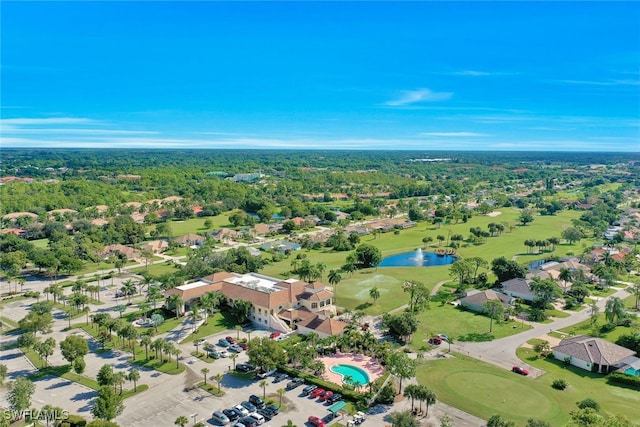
(538, 263)
(418, 259)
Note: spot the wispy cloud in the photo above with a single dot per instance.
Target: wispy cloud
(453, 134)
(471, 73)
(46, 121)
(613, 82)
(410, 97)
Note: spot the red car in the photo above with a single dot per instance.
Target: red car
(316, 393)
(519, 370)
(435, 340)
(327, 394)
(243, 346)
(230, 340)
(274, 335)
(315, 421)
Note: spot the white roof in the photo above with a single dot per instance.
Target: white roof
(193, 285)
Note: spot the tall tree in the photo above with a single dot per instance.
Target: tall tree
(494, 309)
(108, 405)
(19, 394)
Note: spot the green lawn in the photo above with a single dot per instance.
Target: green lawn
(353, 291)
(156, 270)
(217, 322)
(484, 390)
(460, 325)
(585, 328)
(196, 225)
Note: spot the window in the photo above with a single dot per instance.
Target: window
(314, 305)
(321, 303)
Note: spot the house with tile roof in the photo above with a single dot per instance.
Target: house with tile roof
(592, 354)
(519, 288)
(189, 240)
(276, 304)
(475, 299)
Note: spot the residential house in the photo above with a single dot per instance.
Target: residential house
(475, 299)
(156, 246)
(592, 354)
(281, 246)
(225, 235)
(519, 288)
(130, 253)
(190, 240)
(276, 304)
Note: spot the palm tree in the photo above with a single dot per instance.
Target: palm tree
(233, 357)
(614, 310)
(334, 278)
(128, 288)
(181, 421)
(411, 391)
(134, 375)
(374, 294)
(218, 378)
(238, 328)
(145, 340)
(177, 352)
(176, 302)
(144, 307)
(566, 276)
(427, 396)
(280, 392)
(205, 371)
(118, 379)
(153, 293)
(263, 384)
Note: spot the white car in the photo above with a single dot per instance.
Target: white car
(242, 410)
(443, 337)
(223, 353)
(200, 342)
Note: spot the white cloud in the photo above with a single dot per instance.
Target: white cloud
(626, 82)
(45, 121)
(471, 73)
(409, 97)
(453, 134)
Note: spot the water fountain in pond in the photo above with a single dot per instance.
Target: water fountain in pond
(419, 257)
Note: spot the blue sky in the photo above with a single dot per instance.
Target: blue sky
(308, 75)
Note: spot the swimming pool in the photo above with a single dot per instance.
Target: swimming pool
(357, 375)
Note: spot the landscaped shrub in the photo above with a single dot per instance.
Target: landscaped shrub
(72, 421)
(632, 342)
(627, 321)
(559, 384)
(386, 395)
(588, 403)
(620, 378)
(607, 327)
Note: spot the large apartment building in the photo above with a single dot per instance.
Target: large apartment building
(276, 304)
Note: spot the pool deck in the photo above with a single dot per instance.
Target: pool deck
(366, 363)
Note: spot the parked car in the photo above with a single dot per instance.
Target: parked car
(326, 395)
(308, 389)
(334, 398)
(259, 403)
(274, 335)
(242, 410)
(267, 414)
(435, 340)
(220, 418)
(443, 337)
(249, 421)
(209, 347)
(316, 393)
(267, 373)
(280, 377)
(249, 406)
(273, 408)
(230, 340)
(200, 342)
(235, 348)
(232, 414)
(223, 343)
(243, 345)
(294, 383)
(315, 421)
(259, 418)
(519, 370)
(223, 353)
(244, 367)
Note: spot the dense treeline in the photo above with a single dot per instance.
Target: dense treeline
(82, 178)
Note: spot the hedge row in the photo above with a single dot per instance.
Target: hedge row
(620, 378)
